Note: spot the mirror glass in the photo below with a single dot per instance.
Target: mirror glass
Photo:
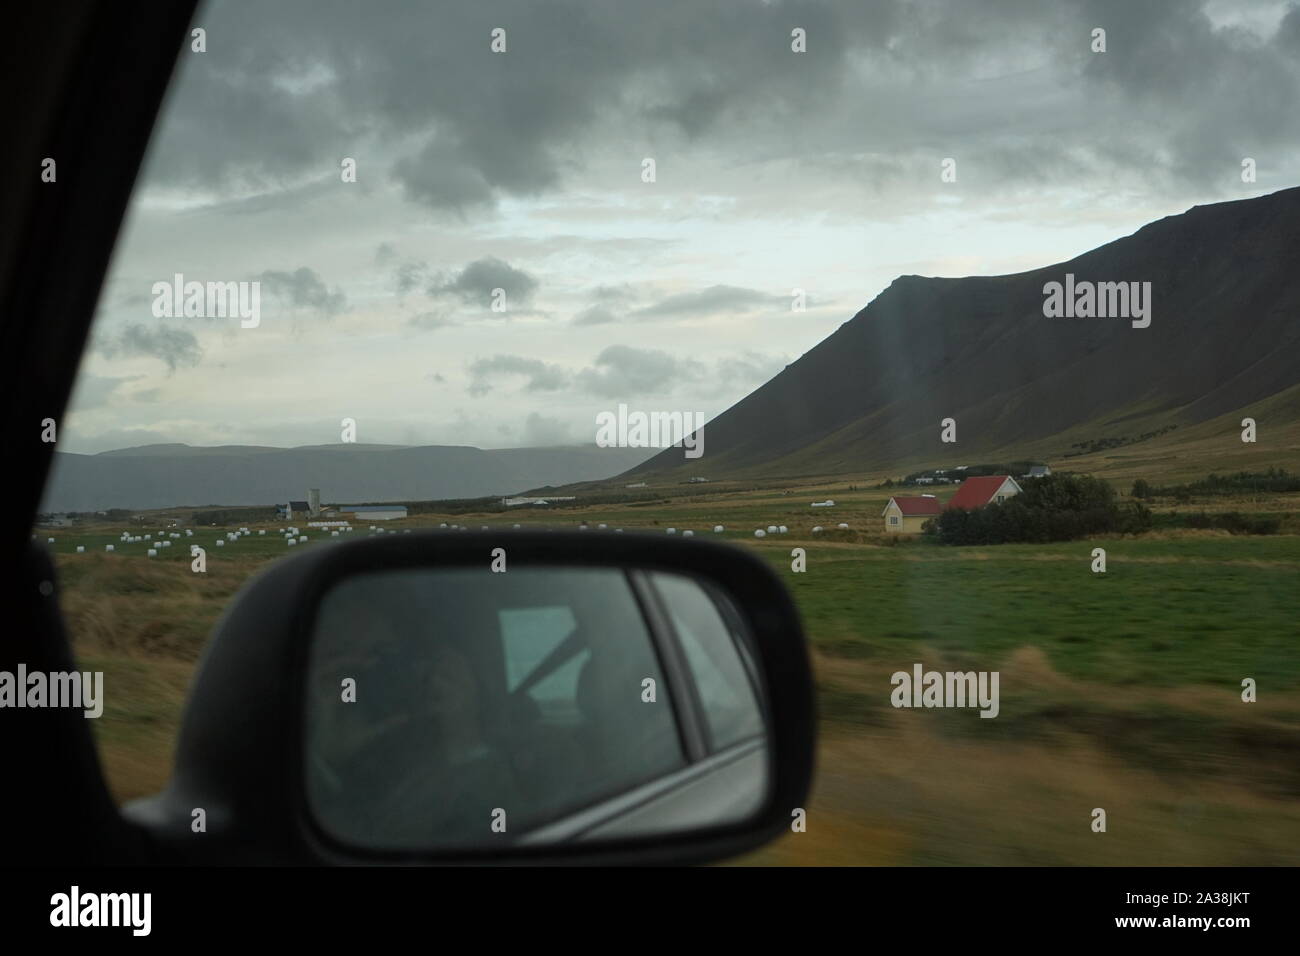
(462, 709)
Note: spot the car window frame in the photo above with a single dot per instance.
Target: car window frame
(736, 631)
(705, 756)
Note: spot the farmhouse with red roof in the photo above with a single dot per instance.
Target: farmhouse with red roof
(904, 515)
(984, 490)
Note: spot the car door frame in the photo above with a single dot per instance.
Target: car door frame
(73, 67)
(703, 756)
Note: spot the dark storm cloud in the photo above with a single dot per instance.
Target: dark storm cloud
(476, 282)
(614, 294)
(595, 315)
(410, 275)
(287, 90)
(1009, 87)
(624, 372)
(303, 289)
(430, 321)
(539, 376)
(176, 347)
(621, 370)
(1204, 97)
(714, 300)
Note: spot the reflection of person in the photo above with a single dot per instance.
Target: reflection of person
(450, 779)
(409, 764)
(345, 749)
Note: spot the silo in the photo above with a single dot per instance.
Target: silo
(313, 502)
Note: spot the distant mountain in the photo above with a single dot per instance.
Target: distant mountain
(162, 476)
(1224, 336)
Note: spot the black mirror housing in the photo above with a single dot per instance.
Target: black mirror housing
(239, 755)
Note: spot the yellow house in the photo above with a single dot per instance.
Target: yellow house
(905, 515)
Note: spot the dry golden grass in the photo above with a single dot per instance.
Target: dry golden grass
(903, 789)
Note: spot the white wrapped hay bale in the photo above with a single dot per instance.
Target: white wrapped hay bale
(672, 530)
(289, 542)
(760, 533)
(771, 529)
(81, 549)
(783, 529)
(334, 534)
(152, 552)
(688, 533)
(108, 547)
(842, 526)
(817, 529)
(717, 529)
(49, 540)
(302, 538)
(220, 543)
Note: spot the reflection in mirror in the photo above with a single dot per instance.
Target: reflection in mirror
(457, 708)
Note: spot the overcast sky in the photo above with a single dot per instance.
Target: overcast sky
(775, 170)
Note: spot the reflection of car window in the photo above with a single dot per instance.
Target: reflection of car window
(478, 691)
(730, 706)
(528, 635)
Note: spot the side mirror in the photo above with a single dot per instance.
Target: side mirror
(498, 696)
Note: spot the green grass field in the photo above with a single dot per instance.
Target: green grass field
(1119, 690)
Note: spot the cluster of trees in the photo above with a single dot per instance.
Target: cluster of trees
(1273, 480)
(1055, 508)
(1234, 522)
(1102, 444)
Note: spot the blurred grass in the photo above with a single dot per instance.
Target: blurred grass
(1119, 690)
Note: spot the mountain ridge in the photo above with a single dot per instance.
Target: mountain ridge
(980, 350)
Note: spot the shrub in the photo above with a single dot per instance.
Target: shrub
(1234, 522)
(1055, 508)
